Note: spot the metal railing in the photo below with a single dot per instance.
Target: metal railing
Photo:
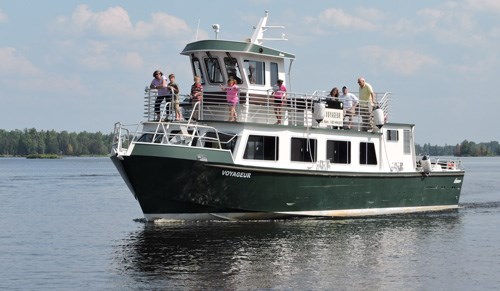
(259, 106)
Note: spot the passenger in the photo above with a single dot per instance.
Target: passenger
(366, 102)
(251, 76)
(279, 99)
(159, 83)
(174, 90)
(334, 94)
(350, 101)
(196, 95)
(232, 97)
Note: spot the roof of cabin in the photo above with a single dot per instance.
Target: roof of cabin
(233, 46)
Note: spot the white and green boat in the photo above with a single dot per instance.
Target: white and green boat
(311, 165)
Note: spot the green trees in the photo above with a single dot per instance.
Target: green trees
(464, 149)
(30, 141)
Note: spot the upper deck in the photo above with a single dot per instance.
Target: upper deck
(259, 107)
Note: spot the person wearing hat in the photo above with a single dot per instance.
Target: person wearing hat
(350, 101)
(159, 83)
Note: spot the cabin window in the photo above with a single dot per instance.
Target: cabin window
(255, 71)
(232, 69)
(227, 141)
(367, 155)
(303, 150)
(213, 70)
(406, 142)
(262, 148)
(338, 152)
(274, 73)
(392, 135)
(197, 69)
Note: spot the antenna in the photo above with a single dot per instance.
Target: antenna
(197, 29)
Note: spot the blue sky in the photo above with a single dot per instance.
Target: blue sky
(71, 65)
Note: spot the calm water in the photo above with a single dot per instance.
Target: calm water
(73, 224)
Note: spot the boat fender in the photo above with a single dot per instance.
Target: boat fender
(378, 117)
(319, 111)
(426, 164)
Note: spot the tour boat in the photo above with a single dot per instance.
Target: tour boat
(312, 164)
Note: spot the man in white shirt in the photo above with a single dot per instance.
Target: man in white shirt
(350, 101)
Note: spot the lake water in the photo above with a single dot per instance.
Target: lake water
(73, 224)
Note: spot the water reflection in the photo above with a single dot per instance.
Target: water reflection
(322, 254)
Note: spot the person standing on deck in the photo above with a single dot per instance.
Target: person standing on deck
(350, 101)
(174, 92)
(279, 99)
(196, 96)
(159, 83)
(232, 98)
(366, 102)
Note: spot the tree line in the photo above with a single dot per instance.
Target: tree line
(30, 141)
(464, 149)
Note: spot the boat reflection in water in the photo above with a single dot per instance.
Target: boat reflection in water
(302, 254)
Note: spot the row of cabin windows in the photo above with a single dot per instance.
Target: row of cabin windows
(255, 71)
(304, 150)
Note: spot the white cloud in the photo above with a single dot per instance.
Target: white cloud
(14, 64)
(405, 62)
(116, 22)
(484, 5)
(131, 60)
(339, 18)
(3, 16)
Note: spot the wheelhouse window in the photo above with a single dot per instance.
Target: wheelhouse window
(303, 150)
(262, 148)
(256, 71)
(338, 152)
(406, 142)
(367, 155)
(197, 69)
(392, 135)
(227, 141)
(213, 70)
(274, 73)
(232, 69)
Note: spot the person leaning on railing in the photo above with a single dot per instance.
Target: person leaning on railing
(367, 100)
(159, 83)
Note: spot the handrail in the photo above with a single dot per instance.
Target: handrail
(259, 106)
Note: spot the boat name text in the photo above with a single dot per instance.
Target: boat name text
(236, 174)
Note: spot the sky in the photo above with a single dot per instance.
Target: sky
(82, 66)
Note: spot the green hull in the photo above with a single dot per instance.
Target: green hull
(171, 185)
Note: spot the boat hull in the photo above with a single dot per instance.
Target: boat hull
(180, 188)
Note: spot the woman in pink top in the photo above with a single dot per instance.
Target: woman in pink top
(279, 99)
(232, 97)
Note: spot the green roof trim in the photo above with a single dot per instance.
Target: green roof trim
(233, 46)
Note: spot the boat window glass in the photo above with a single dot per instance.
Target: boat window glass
(274, 73)
(197, 69)
(338, 152)
(227, 141)
(262, 148)
(393, 135)
(232, 69)
(303, 150)
(256, 71)
(406, 142)
(214, 71)
(367, 155)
